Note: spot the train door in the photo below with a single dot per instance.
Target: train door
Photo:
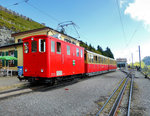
(68, 59)
(34, 55)
(59, 59)
(74, 61)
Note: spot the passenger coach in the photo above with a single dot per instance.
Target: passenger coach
(97, 64)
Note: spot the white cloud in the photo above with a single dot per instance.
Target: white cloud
(139, 10)
(122, 2)
(126, 53)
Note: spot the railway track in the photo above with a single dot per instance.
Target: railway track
(112, 104)
(33, 88)
(30, 89)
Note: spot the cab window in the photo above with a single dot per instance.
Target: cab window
(58, 47)
(68, 50)
(34, 46)
(81, 54)
(41, 45)
(77, 52)
(52, 46)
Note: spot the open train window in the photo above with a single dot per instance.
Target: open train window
(68, 50)
(77, 52)
(95, 59)
(26, 47)
(85, 57)
(52, 46)
(41, 45)
(34, 46)
(58, 47)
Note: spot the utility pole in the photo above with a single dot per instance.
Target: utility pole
(140, 57)
(132, 59)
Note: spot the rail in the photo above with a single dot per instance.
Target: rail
(110, 97)
(118, 99)
(131, 88)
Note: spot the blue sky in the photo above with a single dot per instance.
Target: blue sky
(98, 20)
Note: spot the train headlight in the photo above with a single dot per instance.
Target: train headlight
(42, 70)
(25, 70)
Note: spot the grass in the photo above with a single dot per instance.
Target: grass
(17, 23)
(4, 88)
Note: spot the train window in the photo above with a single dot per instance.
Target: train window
(92, 59)
(26, 47)
(34, 46)
(77, 52)
(58, 47)
(68, 50)
(102, 60)
(89, 58)
(98, 59)
(52, 46)
(41, 45)
(95, 59)
(85, 56)
(81, 54)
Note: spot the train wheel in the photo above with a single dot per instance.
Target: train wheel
(50, 81)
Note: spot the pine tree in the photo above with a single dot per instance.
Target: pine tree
(108, 53)
(99, 49)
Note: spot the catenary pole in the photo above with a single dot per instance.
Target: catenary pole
(140, 57)
(132, 59)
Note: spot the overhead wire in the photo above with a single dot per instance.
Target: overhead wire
(14, 4)
(123, 29)
(121, 20)
(132, 36)
(43, 12)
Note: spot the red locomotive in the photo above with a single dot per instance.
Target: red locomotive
(46, 58)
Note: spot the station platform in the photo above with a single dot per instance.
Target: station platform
(139, 75)
(8, 83)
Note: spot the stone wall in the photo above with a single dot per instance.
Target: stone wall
(5, 36)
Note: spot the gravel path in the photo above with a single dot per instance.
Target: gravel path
(7, 81)
(74, 100)
(141, 96)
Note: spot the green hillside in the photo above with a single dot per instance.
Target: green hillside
(17, 23)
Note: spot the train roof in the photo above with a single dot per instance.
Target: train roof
(48, 36)
(99, 54)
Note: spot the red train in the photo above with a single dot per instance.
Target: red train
(46, 58)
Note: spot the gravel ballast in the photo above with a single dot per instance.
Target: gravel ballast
(141, 96)
(74, 100)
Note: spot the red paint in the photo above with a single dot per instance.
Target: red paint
(51, 62)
